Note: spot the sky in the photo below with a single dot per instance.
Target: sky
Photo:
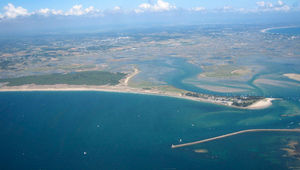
(132, 4)
(13, 9)
(33, 14)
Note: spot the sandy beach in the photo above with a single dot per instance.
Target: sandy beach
(261, 104)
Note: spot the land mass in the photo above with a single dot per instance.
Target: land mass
(73, 78)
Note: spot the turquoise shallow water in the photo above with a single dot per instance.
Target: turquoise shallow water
(97, 130)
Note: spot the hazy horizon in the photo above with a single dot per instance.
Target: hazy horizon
(84, 17)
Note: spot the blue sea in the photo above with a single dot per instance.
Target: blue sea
(100, 130)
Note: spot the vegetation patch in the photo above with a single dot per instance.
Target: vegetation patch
(74, 78)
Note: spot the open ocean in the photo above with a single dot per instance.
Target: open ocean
(99, 130)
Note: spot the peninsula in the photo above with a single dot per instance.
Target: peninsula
(118, 82)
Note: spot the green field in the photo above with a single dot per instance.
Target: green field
(75, 78)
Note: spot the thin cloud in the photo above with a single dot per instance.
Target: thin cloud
(117, 8)
(47, 12)
(159, 6)
(268, 6)
(77, 10)
(12, 12)
(199, 8)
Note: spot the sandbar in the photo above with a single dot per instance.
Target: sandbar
(261, 104)
(130, 76)
(201, 151)
(277, 83)
(293, 76)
